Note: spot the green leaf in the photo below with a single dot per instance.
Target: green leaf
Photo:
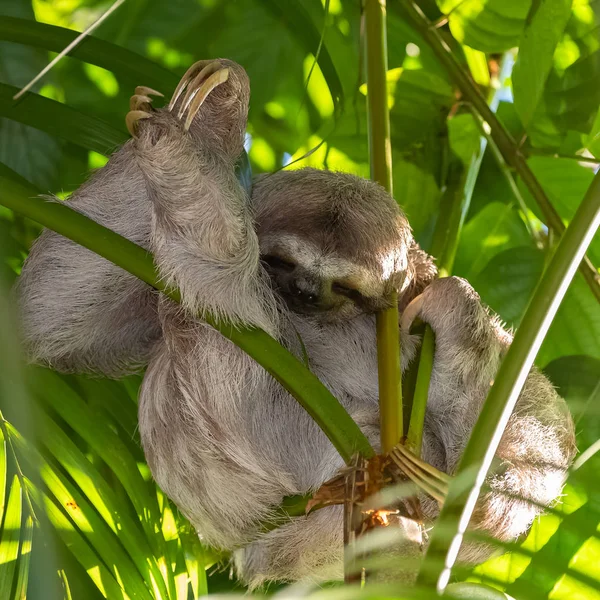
(24, 560)
(2, 474)
(296, 19)
(572, 91)
(478, 65)
(561, 549)
(576, 327)
(487, 25)
(496, 228)
(138, 69)
(50, 388)
(577, 380)
(100, 574)
(86, 519)
(103, 499)
(34, 154)
(9, 541)
(545, 27)
(593, 140)
(60, 120)
(565, 182)
(506, 283)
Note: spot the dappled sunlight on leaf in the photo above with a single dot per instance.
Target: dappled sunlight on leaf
(104, 80)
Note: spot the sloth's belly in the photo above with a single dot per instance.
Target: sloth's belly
(215, 425)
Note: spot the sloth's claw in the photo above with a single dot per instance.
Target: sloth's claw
(144, 90)
(133, 117)
(140, 102)
(411, 312)
(197, 83)
(183, 83)
(432, 481)
(205, 88)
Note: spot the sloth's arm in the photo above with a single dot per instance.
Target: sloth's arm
(203, 235)
(538, 444)
(78, 311)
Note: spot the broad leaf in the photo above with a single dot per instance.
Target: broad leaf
(565, 182)
(572, 91)
(486, 25)
(498, 227)
(544, 29)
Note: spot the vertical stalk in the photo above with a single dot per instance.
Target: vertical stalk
(380, 157)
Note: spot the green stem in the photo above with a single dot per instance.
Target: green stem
(380, 157)
(502, 138)
(453, 211)
(497, 409)
(316, 399)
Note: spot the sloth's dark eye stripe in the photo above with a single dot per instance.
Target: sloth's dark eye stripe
(276, 262)
(344, 290)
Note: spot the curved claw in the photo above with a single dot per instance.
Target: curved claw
(132, 118)
(185, 80)
(411, 312)
(140, 102)
(144, 90)
(195, 85)
(217, 78)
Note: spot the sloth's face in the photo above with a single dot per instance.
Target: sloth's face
(313, 282)
(334, 245)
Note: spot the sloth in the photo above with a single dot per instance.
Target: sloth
(309, 257)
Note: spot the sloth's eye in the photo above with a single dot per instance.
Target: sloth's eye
(345, 290)
(276, 262)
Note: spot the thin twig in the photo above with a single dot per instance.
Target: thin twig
(68, 49)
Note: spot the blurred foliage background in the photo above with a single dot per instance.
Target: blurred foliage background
(81, 517)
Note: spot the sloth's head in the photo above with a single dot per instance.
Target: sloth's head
(335, 245)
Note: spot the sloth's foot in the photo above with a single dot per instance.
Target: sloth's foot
(429, 479)
(461, 324)
(210, 103)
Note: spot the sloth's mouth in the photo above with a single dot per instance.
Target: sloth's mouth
(301, 306)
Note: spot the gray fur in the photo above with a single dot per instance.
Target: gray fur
(222, 438)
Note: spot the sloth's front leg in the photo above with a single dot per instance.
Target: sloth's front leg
(538, 443)
(203, 236)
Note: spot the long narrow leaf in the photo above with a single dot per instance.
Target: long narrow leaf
(24, 559)
(103, 578)
(561, 548)
(9, 542)
(120, 61)
(60, 120)
(2, 475)
(86, 519)
(103, 499)
(69, 406)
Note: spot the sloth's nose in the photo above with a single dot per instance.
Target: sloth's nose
(305, 290)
